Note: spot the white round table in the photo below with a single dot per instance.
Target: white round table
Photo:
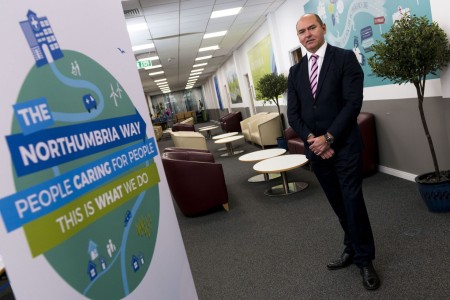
(222, 136)
(259, 156)
(208, 130)
(282, 164)
(227, 141)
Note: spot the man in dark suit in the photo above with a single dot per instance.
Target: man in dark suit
(325, 94)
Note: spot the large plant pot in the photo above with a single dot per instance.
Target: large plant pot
(282, 143)
(435, 194)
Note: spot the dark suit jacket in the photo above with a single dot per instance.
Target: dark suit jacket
(337, 104)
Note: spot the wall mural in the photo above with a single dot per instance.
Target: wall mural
(262, 61)
(219, 99)
(357, 24)
(233, 86)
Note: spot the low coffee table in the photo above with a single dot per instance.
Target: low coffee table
(259, 156)
(282, 164)
(208, 130)
(227, 141)
(222, 136)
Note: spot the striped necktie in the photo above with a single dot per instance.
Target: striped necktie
(313, 78)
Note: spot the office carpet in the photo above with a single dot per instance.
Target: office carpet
(278, 247)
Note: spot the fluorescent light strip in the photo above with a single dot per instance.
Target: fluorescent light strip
(156, 73)
(149, 58)
(153, 67)
(137, 27)
(225, 12)
(199, 65)
(204, 57)
(162, 79)
(215, 47)
(214, 34)
(197, 70)
(143, 47)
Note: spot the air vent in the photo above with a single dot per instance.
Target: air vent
(130, 13)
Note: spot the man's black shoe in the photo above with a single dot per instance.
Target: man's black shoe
(369, 277)
(342, 262)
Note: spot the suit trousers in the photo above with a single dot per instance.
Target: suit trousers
(341, 179)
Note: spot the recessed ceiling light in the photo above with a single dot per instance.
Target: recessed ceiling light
(162, 79)
(215, 47)
(153, 67)
(204, 57)
(160, 84)
(156, 73)
(199, 65)
(225, 12)
(143, 47)
(195, 76)
(214, 34)
(197, 70)
(137, 27)
(149, 58)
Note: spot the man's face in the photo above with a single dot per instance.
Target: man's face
(310, 33)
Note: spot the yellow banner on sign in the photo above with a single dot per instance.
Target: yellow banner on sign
(58, 226)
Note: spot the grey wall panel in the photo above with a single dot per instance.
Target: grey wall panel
(402, 142)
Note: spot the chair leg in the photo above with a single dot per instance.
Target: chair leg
(225, 206)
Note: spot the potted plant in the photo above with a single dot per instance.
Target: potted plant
(412, 49)
(270, 87)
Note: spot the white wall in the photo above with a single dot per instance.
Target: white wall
(388, 102)
(281, 27)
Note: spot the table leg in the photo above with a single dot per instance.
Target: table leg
(264, 177)
(231, 151)
(286, 188)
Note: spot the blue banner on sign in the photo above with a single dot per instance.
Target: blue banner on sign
(33, 115)
(37, 201)
(55, 146)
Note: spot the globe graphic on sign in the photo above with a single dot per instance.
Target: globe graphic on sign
(109, 257)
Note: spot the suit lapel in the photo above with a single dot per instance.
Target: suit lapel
(305, 85)
(329, 52)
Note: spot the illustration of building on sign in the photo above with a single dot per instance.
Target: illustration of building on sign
(92, 270)
(135, 263)
(102, 263)
(41, 39)
(92, 250)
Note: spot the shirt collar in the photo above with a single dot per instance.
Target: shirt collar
(320, 52)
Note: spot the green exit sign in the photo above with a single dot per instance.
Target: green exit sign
(143, 63)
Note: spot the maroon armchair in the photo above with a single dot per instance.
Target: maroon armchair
(294, 142)
(196, 182)
(183, 127)
(366, 123)
(231, 122)
(182, 149)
